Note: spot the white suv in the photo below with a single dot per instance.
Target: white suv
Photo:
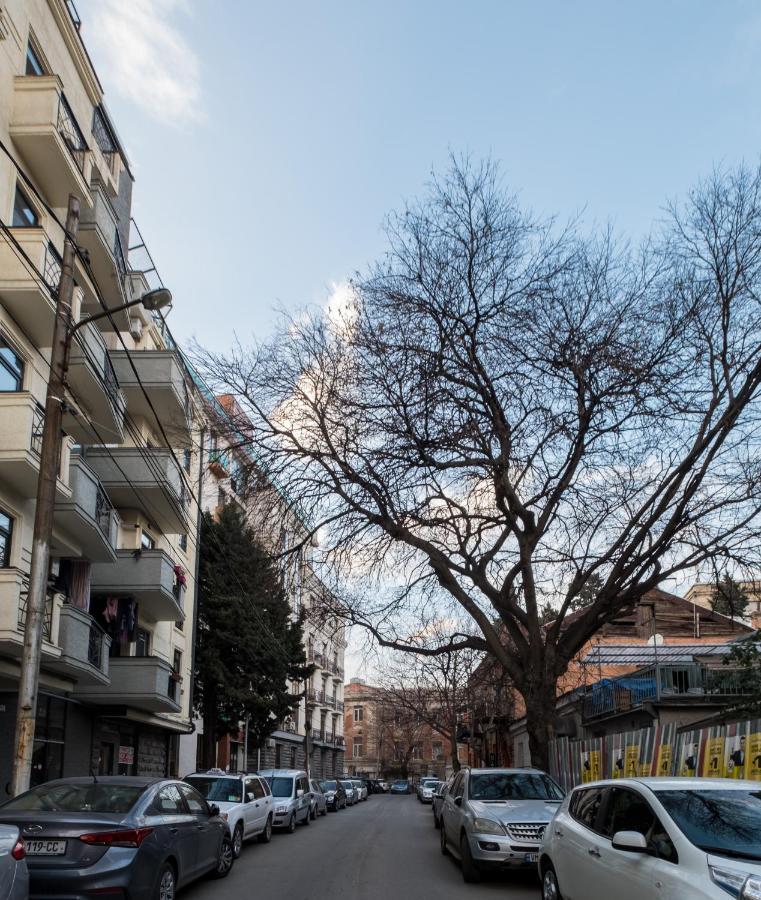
(244, 801)
(665, 838)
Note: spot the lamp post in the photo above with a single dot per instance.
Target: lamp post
(63, 333)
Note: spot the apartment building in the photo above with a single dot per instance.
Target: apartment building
(232, 475)
(383, 740)
(115, 685)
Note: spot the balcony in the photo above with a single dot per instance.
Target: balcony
(86, 524)
(107, 159)
(141, 682)
(690, 684)
(146, 575)
(14, 587)
(143, 478)
(84, 647)
(94, 384)
(27, 298)
(20, 445)
(99, 235)
(48, 137)
(163, 381)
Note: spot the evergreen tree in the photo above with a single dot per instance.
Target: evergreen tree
(729, 598)
(247, 644)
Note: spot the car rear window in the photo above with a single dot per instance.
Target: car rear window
(78, 797)
(222, 790)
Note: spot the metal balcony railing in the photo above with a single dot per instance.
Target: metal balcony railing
(103, 510)
(95, 646)
(47, 623)
(53, 266)
(73, 14)
(71, 133)
(38, 424)
(104, 138)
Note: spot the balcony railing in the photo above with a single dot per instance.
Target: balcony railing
(71, 133)
(53, 267)
(95, 646)
(628, 692)
(288, 726)
(73, 14)
(47, 623)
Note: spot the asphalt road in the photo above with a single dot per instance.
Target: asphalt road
(382, 849)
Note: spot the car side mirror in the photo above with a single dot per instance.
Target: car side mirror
(458, 801)
(299, 793)
(213, 809)
(249, 798)
(630, 842)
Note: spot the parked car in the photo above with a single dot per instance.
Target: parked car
(352, 796)
(290, 797)
(496, 818)
(383, 785)
(361, 789)
(335, 795)
(632, 839)
(400, 787)
(370, 786)
(426, 789)
(437, 803)
(14, 876)
(319, 805)
(140, 837)
(244, 801)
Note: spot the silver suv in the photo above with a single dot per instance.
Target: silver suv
(291, 798)
(496, 818)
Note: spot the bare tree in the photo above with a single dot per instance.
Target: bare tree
(435, 689)
(506, 411)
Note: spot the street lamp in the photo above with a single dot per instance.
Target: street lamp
(63, 333)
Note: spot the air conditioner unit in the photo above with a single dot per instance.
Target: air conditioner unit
(269, 744)
(135, 327)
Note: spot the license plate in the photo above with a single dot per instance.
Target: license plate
(44, 848)
(529, 858)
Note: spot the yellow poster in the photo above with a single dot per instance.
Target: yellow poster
(736, 748)
(713, 762)
(645, 769)
(665, 753)
(595, 765)
(753, 760)
(632, 761)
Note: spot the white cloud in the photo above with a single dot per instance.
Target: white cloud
(143, 57)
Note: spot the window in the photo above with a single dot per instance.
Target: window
(33, 63)
(24, 214)
(293, 757)
(6, 536)
(585, 807)
(628, 811)
(169, 801)
(254, 786)
(11, 369)
(184, 543)
(436, 750)
(146, 541)
(458, 785)
(196, 803)
(143, 643)
(357, 749)
(186, 458)
(358, 713)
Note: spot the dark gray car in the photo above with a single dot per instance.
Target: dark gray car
(14, 879)
(143, 836)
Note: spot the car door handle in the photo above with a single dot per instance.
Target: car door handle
(173, 831)
(201, 827)
(558, 832)
(593, 852)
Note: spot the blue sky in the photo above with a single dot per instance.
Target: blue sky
(270, 139)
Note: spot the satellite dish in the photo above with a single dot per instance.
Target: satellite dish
(655, 641)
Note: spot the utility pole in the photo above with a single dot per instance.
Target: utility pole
(50, 454)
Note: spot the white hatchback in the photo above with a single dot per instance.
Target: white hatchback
(648, 838)
(244, 801)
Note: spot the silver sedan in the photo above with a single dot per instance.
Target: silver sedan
(318, 805)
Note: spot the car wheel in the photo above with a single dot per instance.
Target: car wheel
(443, 836)
(436, 823)
(291, 823)
(166, 883)
(550, 887)
(226, 859)
(325, 811)
(470, 872)
(266, 836)
(307, 817)
(313, 813)
(238, 840)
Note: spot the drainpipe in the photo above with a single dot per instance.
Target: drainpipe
(199, 515)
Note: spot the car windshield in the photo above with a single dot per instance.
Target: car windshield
(348, 784)
(77, 797)
(328, 785)
(718, 821)
(281, 786)
(431, 786)
(517, 786)
(223, 790)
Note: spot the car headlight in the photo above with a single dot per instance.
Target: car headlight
(487, 826)
(737, 884)
(281, 810)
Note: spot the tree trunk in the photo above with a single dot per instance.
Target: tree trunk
(210, 735)
(455, 754)
(541, 701)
